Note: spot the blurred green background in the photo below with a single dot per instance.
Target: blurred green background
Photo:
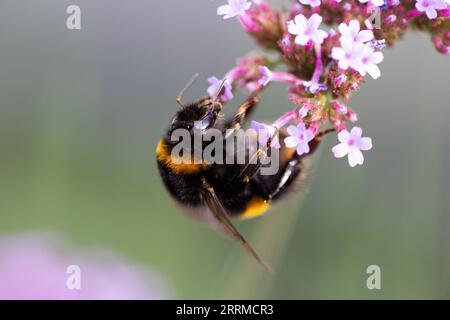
(81, 113)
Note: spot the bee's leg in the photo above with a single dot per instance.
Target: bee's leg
(293, 168)
(242, 113)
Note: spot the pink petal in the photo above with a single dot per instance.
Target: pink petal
(292, 130)
(354, 27)
(225, 9)
(431, 13)
(419, 6)
(340, 150)
(377, 57)
(300, 21)
(343, 136)
(356, 132)
(364, 36)
(344, 64)
(439, 4)
(355, 157)
(291, 142)
(319, 36)
(309, 135)
(373, 70)
(365, 143)
(344, 29)
(302, 148)
(314, 21)
(378, 3)
(337, 53)
(301, 39)
(293, 28)
(301, 127)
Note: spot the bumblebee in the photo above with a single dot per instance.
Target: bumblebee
(217, 193)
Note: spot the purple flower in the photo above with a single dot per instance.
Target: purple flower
(351, 32)
(312, 3)
(314, 86)
(299, 137)
(266, 76)
(226, 94)
(233, 8)
(377, 44)
(430, 7)
(36, 266)
(351, 144)
(339, 107)
(264, 133)
(306, 30)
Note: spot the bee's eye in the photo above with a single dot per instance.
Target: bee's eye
(204, 123)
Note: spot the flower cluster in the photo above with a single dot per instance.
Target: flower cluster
(327, 47)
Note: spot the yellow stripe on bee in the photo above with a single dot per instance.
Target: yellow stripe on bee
(254, 208)
(178, 166)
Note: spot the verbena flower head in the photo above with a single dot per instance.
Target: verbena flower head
(323, 69)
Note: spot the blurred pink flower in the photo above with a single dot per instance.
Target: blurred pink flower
(35, 266)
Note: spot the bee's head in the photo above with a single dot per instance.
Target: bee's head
(196, 117)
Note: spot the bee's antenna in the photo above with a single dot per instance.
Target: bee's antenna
(187, 86)
(222, 84)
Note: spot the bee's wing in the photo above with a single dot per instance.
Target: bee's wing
(221, 217)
